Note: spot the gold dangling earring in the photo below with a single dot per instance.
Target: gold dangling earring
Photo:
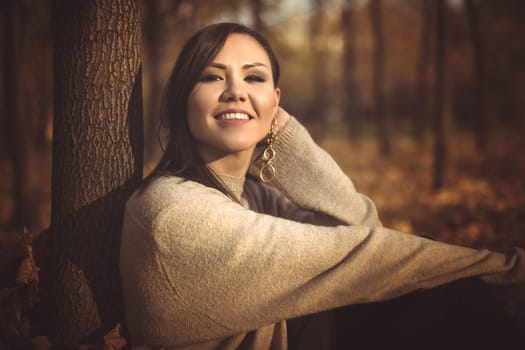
(267, 172)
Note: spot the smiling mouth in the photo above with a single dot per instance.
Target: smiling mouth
(233, 116)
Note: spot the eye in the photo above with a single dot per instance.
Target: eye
(210, 77)
(255, 78)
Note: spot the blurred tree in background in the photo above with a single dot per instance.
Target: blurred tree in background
(378, 77)
(479, 72)
(440, 151)
(350, 106)
(26, 103)
(419, 113)
(318, 104)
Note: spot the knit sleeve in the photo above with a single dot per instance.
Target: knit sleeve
(228, 269)
(309, 177)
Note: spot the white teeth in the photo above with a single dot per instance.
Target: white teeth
(233, 116)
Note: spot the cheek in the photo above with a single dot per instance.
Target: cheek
(199, 108)
(267, 103)
(196, 117)
(198, 102)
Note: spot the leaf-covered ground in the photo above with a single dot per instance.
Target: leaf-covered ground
(481, 205)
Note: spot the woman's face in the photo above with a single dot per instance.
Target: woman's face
(231, 108)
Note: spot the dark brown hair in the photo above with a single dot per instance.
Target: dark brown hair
(180, 156)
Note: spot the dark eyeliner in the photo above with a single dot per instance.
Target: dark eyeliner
(210, 77)
(256, 78)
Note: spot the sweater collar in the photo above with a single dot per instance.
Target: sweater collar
(234, 183)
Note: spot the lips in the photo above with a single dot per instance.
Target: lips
(233, 115)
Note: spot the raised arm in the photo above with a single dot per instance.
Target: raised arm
(309, 177)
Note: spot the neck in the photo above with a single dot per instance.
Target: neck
(232, 164)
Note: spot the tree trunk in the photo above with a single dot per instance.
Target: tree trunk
(317, 109)
(152, 42)
(97, 160)
(419, 116)
(257, 7)
(378, 78)
(18, 130)
(440, 151)
(350, 101)
(479, 102)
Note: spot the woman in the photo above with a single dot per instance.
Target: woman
(214, 258)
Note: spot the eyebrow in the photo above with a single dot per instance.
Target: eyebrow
(244, 66)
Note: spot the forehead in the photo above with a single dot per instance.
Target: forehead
(242, 48)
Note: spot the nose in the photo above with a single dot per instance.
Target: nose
(234, 91)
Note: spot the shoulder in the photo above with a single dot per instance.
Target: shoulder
(168, 192)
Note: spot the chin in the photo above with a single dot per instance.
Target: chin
(236, 148)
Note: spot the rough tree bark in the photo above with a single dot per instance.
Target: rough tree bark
(440, 151)
(378, 77)
(97, 160)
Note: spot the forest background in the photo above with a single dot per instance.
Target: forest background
(365, 77)
(421, 102)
